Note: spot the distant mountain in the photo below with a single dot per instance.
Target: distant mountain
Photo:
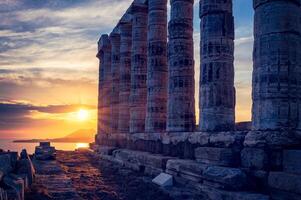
(82, 135)
(86, 135)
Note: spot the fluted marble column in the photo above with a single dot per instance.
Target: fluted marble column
(104, 88)
(125, 28)
(115, 68)
(277, 65)
(217, 92)
(139, 68)
(157, 71)
(181, 107)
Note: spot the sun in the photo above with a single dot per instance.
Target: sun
(82, 115)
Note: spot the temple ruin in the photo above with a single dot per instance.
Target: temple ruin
(151, 127)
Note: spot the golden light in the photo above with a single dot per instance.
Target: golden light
(82, 145)
(82, 115)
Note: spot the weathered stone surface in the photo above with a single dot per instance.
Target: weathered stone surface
(227, 139)
(223, 177)
(186, 169)
(181, 103)
(292, 161)
(105, 150)
(274, 139)
(216, 194)
(5, 164)
(216, 156)
(163, 180)
(25, 166)
(217, 92)
(276, 71)
(17, 187)
(285, 182)
(45, 152)
(201, 138)
(157, 70)
(254, 158)
(141, 158)
(282, 195)
(115, 68)
(104, 87)
(138, 94)
(125, 28)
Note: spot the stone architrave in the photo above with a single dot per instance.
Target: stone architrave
(138, 68)
(115, 67)
(157, 70)
(125, 28)
(181, 103)
(277, 65)
(104, 87)
(217, 92)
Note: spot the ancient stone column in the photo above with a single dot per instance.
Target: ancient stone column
(139, 68)
(104, 88)
(157, 71)
(125, 28)
(115, 67)
(217, 92)
(181, 103)
(277, 65)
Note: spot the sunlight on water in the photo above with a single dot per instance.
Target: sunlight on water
(82, 145)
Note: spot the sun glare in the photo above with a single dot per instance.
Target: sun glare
(82, 115)
(82, 145)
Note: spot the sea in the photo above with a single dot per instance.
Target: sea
(8, 144)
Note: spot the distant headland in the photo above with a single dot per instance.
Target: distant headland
(83, 135)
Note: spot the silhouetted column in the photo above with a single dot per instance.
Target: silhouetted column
(115, 68)
(138, 68)
(125, 75)
(277, 65)
(104, 88)
(157, 71)
(217, 92)
(181, 107)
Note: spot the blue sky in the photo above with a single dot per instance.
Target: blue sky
(48, 48)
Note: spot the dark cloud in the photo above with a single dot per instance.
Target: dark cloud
(17, 115)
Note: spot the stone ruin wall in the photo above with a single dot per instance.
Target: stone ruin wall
(220, 161)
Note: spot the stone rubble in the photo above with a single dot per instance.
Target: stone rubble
(17, 174)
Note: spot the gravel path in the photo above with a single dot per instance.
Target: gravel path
(101, 181)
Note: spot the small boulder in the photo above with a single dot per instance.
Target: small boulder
(163, 180)
(25, 166)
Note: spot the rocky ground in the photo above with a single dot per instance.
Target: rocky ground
(78, 175)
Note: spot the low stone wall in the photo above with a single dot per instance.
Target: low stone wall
(225, 164)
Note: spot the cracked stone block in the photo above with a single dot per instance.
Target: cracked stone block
(254, 158)
(186, 169)
(163, 180)
(216, 156)
(216, 194)
(226, 178)
(292, 161)
(285, 182)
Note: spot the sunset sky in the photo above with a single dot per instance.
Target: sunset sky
(48, 68)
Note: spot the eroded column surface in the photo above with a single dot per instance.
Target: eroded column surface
(125, 76)
(138, 68)
(104, 88)
(277, 65)
(157, 71)
(217, 92)
(115, 67)
(181, 107)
